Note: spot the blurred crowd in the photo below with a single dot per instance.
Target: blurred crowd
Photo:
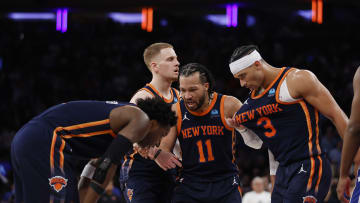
(40, 67)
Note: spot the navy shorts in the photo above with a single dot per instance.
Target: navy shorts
(42, 168)
(304, 181)
(222, 191)
(153, 189)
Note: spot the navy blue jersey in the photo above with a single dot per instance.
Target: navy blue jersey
(142, 166)
(84, 125)
(206, 141)
(289, 129)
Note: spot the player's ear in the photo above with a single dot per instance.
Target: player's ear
(206, 85)
(154, 124)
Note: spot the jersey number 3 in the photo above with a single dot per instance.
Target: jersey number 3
(266, 123)
(201, 151)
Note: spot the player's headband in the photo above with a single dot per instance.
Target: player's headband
(244, 62)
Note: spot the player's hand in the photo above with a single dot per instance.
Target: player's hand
(343, 189)
(143, 151)
(167, 160)
(233, 123)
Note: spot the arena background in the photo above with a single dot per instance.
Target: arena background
(88, 49)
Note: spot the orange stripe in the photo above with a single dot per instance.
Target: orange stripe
(52, 149)
(157, 92)
(61, 152)
(239, 188)
(150, 20)
(222, 114)
(90, 134)
(143, 18)
(268, 88)
(277, 93)
(147, 91)
(312, 172)
(313, 9)
(85, 125)
(131, 160)
(320, 174)
(317, 131)
(179, 116)
(208, 109)
(320, 11)
(233, 145)
(308, 121)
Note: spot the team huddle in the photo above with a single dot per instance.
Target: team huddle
(177, 145)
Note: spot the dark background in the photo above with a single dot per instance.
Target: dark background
(102, 60)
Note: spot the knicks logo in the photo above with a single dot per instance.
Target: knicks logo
(130, 193)
(309, 199)
(58, 183)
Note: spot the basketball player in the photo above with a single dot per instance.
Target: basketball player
(143, 175)
(44, 149)
(351, 145)
(283, 110)
(206, 141)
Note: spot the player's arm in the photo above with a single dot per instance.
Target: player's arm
(86, 177)
(231, 106)
(304, 84)
(131, 125)
(352, 137)
(164, 158)
(273, 165)
(141, 94)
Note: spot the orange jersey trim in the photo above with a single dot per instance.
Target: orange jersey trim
(179, 118)
(277, 93)
(268, 88)
(157, 92)
(147, 91)
(206, 110)
(90, 134)
(308, 122)
(222, 113)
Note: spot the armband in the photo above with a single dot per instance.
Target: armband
(88, 171)
(157, 153)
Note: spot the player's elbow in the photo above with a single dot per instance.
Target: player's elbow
(353, 129)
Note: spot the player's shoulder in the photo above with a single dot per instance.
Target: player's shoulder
(231, 105)
(141, 94)
(300, 75)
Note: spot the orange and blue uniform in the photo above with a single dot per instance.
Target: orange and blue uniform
(143, 180)
(43, 151)
(291, 131)
(207, 144)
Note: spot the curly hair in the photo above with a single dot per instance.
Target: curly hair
(158, 110)
(205, 74)
(242, 51)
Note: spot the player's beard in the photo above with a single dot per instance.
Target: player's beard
(198, 104)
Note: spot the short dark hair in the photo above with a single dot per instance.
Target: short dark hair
(242, 51)
(205, 74)
(157, 109)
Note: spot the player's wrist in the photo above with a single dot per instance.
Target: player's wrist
(157, 154)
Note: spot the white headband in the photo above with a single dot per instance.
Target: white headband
(244, 62)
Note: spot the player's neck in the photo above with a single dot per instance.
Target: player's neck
(162, 86)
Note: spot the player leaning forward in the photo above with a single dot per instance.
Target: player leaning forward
(283, 110)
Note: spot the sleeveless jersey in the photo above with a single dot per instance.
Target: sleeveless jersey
(207, 142)
(135, 164)
(83, 125)
(289, 129)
